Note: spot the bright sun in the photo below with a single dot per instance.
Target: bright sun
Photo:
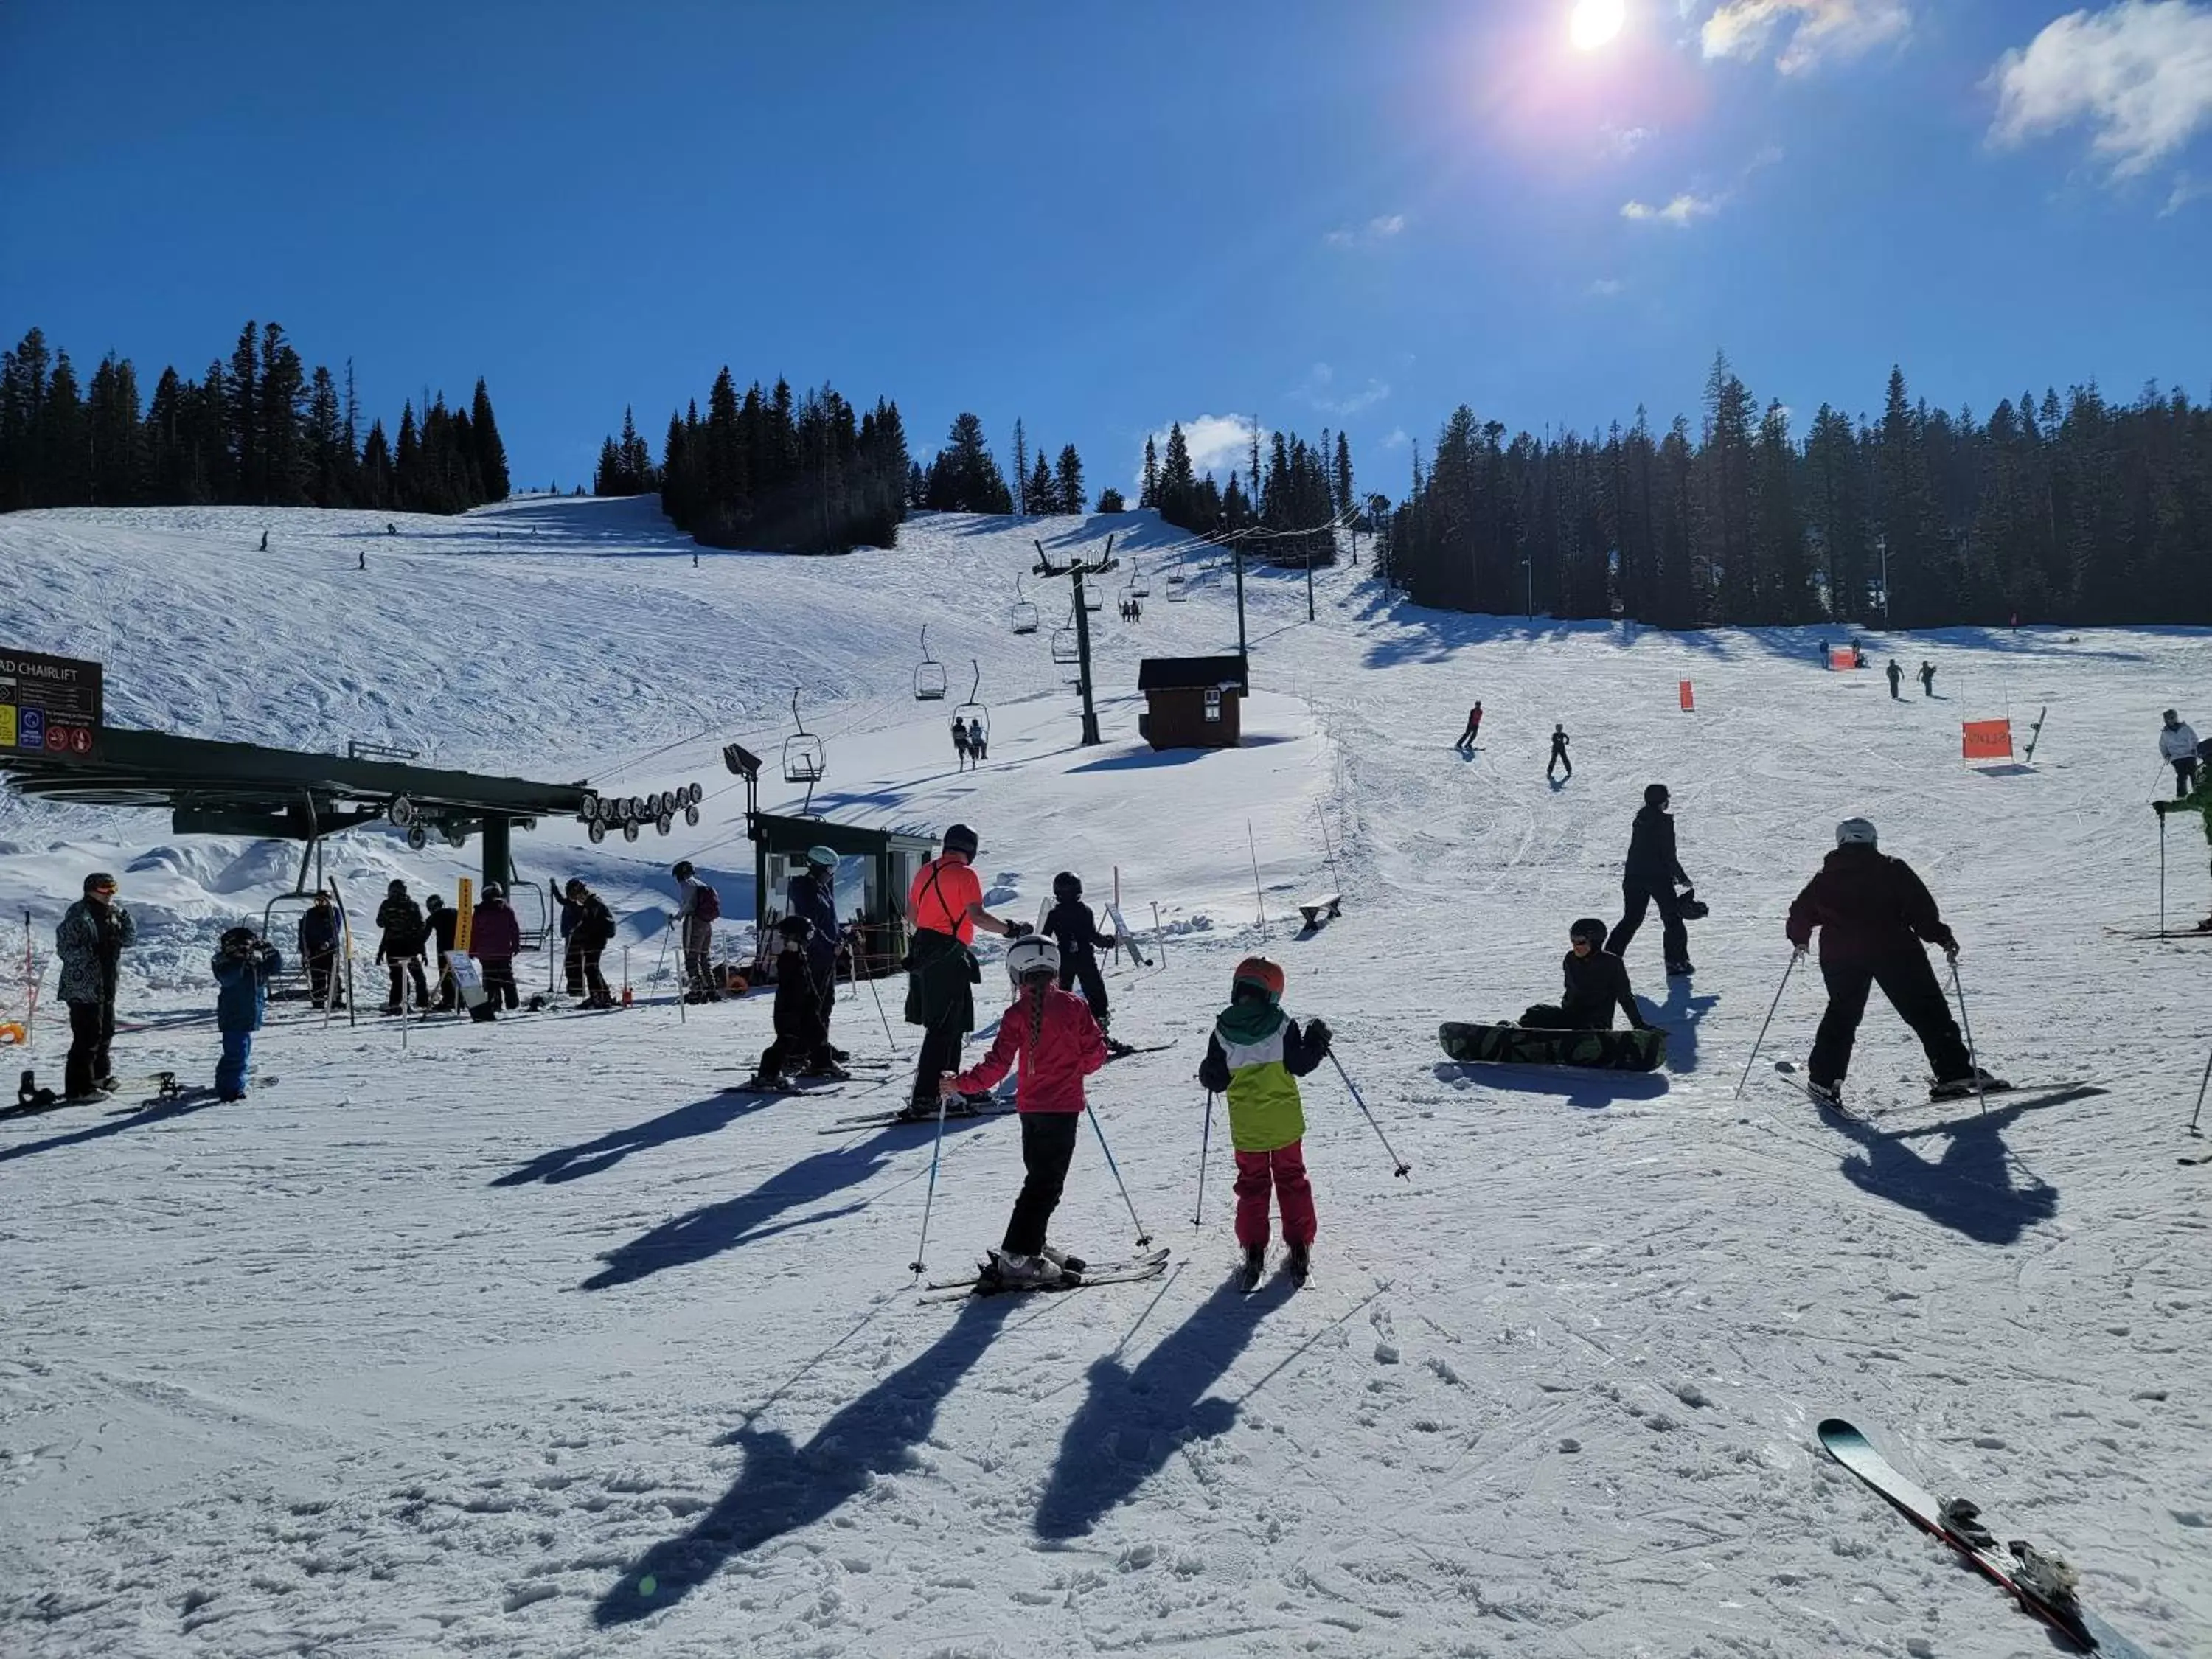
(1595, 22)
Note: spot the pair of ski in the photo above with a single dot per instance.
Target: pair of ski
(2013, 1094)
(845, 1126)
(1147, 1264)
(2044, 1585)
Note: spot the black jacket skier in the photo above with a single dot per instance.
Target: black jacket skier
(1071, 925)
(801, 1040)
(1560, 752)
(400, 948)
(1648, 878)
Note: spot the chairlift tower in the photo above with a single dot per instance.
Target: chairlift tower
(1075, 570)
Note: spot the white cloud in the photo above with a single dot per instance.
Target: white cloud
(2185, 191)
(2139, 73)
(1809, 29)
(1319, 391)
(1684, 210)
(1218, 443)
(1607, 288)
(1380, 228)
(1622, 141)
(1395, 438)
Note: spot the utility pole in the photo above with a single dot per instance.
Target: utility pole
(1237, 552)
(1075, 570)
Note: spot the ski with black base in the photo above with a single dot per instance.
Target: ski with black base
(1787, 1071)
(1122, 1050)
(171, 1095)
(846, 1126)
(2044, 1586)
(1150, 1265)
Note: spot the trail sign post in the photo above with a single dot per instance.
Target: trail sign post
(46, 702)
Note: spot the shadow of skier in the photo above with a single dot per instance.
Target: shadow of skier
(1968, 1189)
(701, 1117)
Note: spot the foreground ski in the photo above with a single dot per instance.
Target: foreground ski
(1122, 1050)
(1150, 1265)
(2042, 1585)
(845, 1126)
(1787, 1071)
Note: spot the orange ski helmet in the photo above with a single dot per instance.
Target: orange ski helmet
(1262, 971)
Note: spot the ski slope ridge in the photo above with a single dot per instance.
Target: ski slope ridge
(528, 1339)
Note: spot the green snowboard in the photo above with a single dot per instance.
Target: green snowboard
(1524, 1045)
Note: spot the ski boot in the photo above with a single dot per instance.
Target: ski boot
(1679, 969)
(1255, 1263)
(1976, 1082)
(919, 1111)
(29, 1097)
(1301, 1264)
(1830, 1095)
(828, 1071)
(1069, 1266)
(1005, 1270)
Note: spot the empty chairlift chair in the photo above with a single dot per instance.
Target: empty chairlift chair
(1023, 617)
(928, 675)
(1139, 587)
(1094, 597)
(803, 760)
(1177, 587)
(1066, 648)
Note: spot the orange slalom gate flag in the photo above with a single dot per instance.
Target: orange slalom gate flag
(1689, 702)
(1985, 739)
(1842, 659)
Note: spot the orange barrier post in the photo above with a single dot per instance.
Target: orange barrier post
(1842, 659)
(1689, 702)
(1985, 739)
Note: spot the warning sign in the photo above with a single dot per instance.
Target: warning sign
(51, 703)
(1985, 739)
(1842, 656)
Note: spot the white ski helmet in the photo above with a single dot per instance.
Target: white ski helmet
(1033, 955)
(1855, 832)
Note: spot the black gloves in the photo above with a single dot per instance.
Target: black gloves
(1018, 930)
(1318, 1035)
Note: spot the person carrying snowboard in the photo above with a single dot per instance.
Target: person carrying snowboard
(1254, 1057)
(801, 1041)
(441, 925)
(400, 946)
(1874, 914)
(1071, 925)
(495, 940)
(1058, 1044)
(242, 966)
(945, 906)
(1896, 678)
(1596, 984)
(1558, 752)
(1927, 678)
(697, 906)
(814, 894)
(1650, 878)
(1466, 743)
(2177, 745)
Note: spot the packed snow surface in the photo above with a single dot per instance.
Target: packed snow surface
(527, 1339)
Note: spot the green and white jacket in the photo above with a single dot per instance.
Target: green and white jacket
(1255, 1056)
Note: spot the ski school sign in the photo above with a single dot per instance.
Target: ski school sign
(51, 703)
(1985, 739)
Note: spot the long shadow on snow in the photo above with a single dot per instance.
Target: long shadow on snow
(1132, 1423)
(1589, 1087)
(701, 1117)
(784, 1487)
(1144, 759)
(1680, 1014)
(159, 1111)
(704, 1233)
(1969, 1189)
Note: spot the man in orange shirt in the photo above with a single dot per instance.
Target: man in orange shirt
(945, 906)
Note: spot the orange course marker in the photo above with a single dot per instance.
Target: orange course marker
(1985, 739)
(1689, 702)
(1842, 659)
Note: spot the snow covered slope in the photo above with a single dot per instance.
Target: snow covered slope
(526, 1339)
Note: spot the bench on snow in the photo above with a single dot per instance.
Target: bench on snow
(1325, 908)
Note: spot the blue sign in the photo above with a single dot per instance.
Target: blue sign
(31, 731)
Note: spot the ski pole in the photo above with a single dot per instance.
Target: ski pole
(1403, 1168)
(1143, 1237)
(1205, 1140)
(890, 1041)
(930, 1198)
(1972, 1060)
(1776, 1003)
(2161, 875)
(2207, 1078)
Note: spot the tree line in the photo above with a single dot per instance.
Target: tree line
(1299, 498)
(2077, 511)
(772, 469)
(260, 430)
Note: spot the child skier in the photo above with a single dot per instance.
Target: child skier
(242, 966)
(1071, 925)
(1597, 982)
(1255, 1057)
(1058, 1044)
(799, 1042)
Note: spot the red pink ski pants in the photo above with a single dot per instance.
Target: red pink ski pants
(1283, 1170)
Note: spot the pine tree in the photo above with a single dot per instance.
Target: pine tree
(490, 452)
(1346, 502)
(244, 385)
(1022, 502)
(1109, 501)
(1070, 479)
(1043, 495)
(408, 491)
(1148, 493)
(1177, 493)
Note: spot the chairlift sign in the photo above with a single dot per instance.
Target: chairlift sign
(49, 703)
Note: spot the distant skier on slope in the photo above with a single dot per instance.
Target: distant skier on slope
(1927, 678)
(1873, 912)
(1466, 743)
(2177, 744)
(1058, 1044)
(1071, 928)
(1896, 678)
(1650, 877)
(1596, 983)
(1255, 1056)
(1558, 752)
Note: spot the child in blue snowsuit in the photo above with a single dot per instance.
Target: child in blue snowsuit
(242, 966)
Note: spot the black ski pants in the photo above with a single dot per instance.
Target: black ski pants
(1909, 982)
(1047, 1146)
(1082, 966)
(941, 1053)
(398, 968)
(1635, 899)
(1558, 759)
(500, 988)
(1466, 737)
(325, 988)
(2185, 775)
(584, 975)
(1555, 1017)
(92, 1030)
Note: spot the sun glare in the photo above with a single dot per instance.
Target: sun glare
(1595, 22)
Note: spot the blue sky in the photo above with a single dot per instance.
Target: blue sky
(1103, 214)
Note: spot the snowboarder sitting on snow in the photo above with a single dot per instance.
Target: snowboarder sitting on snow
(1071, 925)
(495, 940)
(1255, 1057)
(2199, 800)
(400, 946)
(1873, 912)
(441, 925)
(242, 966)
(1648, 878)
(2177, 744)
(1597, 983)
(801, 1041)
(1058, 1043)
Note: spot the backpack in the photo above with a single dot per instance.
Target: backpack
(707, 904)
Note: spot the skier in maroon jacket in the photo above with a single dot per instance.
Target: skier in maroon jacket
(1874, 914)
